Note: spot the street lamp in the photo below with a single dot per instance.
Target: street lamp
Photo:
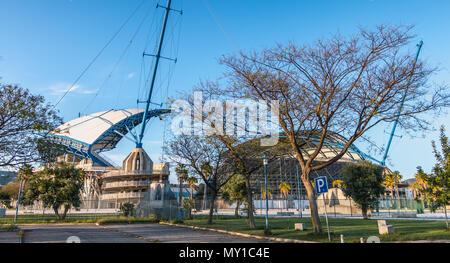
(265, 162)
(179, 197)
(18, 198)
(20, 193)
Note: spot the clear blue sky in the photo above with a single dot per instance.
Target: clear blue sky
(46, 44)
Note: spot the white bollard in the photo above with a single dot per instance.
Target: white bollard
(342, 238)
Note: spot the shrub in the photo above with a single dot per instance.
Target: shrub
(188, 205)
(127, 220)
(127, 209)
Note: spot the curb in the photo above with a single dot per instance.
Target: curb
(273, 239)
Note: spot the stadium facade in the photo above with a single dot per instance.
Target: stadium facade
(286, 169)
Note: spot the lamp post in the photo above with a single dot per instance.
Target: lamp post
(265, 162)
(20, 192)
(18, 198)
(179, 197)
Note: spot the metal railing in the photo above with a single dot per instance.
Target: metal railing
(118, 173)
(120, 184)
(109, 206)
(114, 196)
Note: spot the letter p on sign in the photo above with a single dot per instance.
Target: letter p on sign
(321, 184)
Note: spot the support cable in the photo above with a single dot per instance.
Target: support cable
(124, 52)
(419, 48)
(99, 54)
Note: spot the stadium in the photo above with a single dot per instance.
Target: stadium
(84, 141)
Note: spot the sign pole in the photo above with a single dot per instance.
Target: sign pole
(322, 188)
(326, 217)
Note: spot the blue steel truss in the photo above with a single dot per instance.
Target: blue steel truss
(336, 141)
(107, 140)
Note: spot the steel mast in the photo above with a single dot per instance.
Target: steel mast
(383, 162)
(155, 70)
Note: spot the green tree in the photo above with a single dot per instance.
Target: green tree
(363, 183)
(391, 181)
(11, 189)
(5, 199)
(56, 187)
(420, 185)
(284, 190)
(183, 175)
(188, 205)
(397, 179)
(24, 120)
(337, 183)
(439, 180)
(25, 172)
(127, 209)
(235, 190)
(263, 193)
(192, 182)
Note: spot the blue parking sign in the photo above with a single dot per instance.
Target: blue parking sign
(321, 185)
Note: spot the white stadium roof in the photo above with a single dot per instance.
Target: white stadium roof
(89, 128)
(89, 135)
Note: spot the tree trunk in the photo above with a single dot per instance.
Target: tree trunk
(236, 210)
(364, 212)
(211, 205)
(66, 209)
(56, 212)
(192, 196)
(317, 226)
(251, 219)
(180, 192)
(189, 213)
(398, 198)
(205, 190)
(287, 210)
(445, 210)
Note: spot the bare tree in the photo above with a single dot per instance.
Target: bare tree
(204, 157)
(344, 85)
(241, 152)
(245, 157)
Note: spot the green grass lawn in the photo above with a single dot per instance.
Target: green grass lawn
(352, 229)
(8, 227)
(51, 218)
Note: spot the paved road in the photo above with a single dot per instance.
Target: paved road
(174, 234)
(60, 233)
(9, 237)
(137, 233)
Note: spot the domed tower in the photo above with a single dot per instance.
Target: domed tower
(138, 179)
(138, 160)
